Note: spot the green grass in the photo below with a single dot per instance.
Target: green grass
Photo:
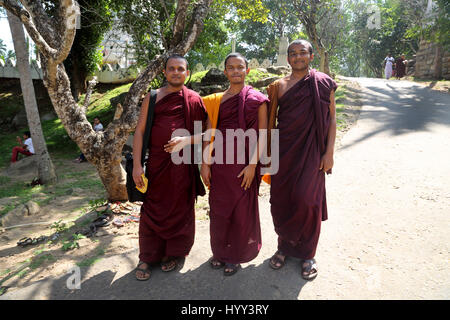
(256, 75)
(340, 94)
(20, 193)
(197, 77)
(58, 142)
(5, 272)
(39, 260)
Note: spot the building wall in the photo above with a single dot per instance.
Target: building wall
(432, 62)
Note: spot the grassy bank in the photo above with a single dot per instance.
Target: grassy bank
(103, 103)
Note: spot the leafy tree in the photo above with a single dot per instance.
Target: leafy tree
(371, 45)
(260, 40)
(46, 170)
(438, 29)
(322, 21)
(96, 18)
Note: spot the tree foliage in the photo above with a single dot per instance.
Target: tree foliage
(260, 40)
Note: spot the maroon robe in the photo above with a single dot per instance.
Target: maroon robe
(297, 193)
(167, 223)
(400, 68)
(234, 214)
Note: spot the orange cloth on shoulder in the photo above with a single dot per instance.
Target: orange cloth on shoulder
(212, 104)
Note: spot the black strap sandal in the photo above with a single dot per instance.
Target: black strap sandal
(309, 271)
(276, 262)
(25, 241)
(145, 271)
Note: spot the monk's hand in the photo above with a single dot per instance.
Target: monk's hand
(176, 144)
(137, 176)
(248, 174)
(205, 173)
(326, 162)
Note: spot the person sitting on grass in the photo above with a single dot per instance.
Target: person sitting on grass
(25, 148)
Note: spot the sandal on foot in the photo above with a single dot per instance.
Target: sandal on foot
(309, 271)
(232, 267)
(170, 264)
(276, 262)
(145, 271)
(216, 264)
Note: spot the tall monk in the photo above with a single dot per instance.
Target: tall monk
(233, 198)
(167, 224)
(303, 103)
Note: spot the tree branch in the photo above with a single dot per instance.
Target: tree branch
(199, 14)
(179, 23)
(11, 7)
(69, 13)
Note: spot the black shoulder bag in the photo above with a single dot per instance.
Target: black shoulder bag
(133, 193)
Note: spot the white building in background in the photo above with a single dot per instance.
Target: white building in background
(115, 49)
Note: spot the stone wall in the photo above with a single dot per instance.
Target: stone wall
(432, 62)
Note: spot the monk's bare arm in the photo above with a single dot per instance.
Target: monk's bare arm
(327, 161)
(177, 143)
(205, 169)
(137, 143)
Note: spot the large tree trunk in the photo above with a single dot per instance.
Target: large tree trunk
(101, 149)
(114, 178)
(46, 171)
(77, 81)
(324, 62)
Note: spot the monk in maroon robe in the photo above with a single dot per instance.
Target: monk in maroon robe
(400, 67)
(167, 224)
(307, 129)
(234, 215)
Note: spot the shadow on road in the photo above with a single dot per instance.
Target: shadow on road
(203, 283)
(399, 109)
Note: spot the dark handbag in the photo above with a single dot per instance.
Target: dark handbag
(133, 193)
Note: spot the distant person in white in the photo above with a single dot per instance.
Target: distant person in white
(25, 148)
(388, 62)
(97, 127)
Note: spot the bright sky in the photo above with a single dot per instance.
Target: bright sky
(5, 33)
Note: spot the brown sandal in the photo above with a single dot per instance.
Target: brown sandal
(276, 262)
(170, 264)
(309, 271)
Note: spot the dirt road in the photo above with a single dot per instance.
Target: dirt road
(387, 237)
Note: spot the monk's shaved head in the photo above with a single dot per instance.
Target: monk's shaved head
(303, 43)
